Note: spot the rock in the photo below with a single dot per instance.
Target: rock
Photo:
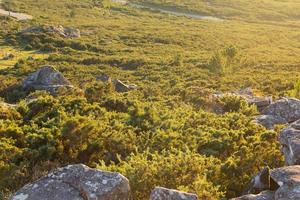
(160, 193)
(269, 121)
(288, 178)
(76, 182)
(265, 195)
(289, 139)
(66, 32)
(286, 108)
(260, 182)
(47, 78)
(122, 87)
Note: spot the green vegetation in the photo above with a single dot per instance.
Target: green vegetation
(164, 133)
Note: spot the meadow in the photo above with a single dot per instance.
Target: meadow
(166, 132)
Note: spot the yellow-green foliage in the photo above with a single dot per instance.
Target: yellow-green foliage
(161, 134)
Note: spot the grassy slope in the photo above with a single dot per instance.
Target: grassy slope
(156, 37)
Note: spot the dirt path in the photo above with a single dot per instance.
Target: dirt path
(18, 16)
(168, 11)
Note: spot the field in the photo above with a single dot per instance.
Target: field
(166, 131)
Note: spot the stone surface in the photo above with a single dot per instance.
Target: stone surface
(160, 193)
(265, 195)
(76, 182)
(66, 32)
(260, 182)
(47, 78)
(289, 139)
(269, 121)
(288, 178)
(286, 108)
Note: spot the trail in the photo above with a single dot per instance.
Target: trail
(18, 16)
(168, 10)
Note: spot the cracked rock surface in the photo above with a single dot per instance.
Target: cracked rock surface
(160, 193)
(76, 182)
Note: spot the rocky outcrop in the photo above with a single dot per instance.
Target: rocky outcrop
(290, 143)
(160, 193)
(286, 108)
(47, 78)
(65, 32)
(288, 178)
(76, 182)
(282, 111)
(269, 121)
(265, 195)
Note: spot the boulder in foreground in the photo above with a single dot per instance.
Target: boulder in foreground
(160, 193)
(265, 195)
(76, 182)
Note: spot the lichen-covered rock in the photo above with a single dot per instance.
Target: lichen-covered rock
(76, 182)
(286, 108)
(66, 32)
(268, 121)
(289, 139)
(288, 178)
(47, 78)
(260, 182)
(160, 193)
(265, 195)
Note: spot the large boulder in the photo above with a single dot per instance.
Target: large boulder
(286, 108)
(47, 78)
(269, 121)
(76, 182)
(160, 193)
(265, 195)
(289, 139)
(66, 32)
(288, 178)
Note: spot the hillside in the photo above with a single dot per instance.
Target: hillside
(134, 86)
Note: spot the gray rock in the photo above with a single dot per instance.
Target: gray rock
(265, 195)
(76, 182)
(289, 139)
(260, 182)
(286, 108)
(66, 32)
(122, 87)
(288, 178)
(160, 193)
(269, 121)
(47, 78)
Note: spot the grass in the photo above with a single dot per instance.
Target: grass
(18, 54)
